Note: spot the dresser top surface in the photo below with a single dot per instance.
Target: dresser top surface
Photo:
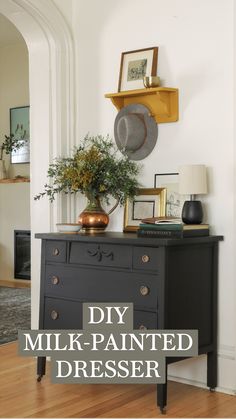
(125, 238)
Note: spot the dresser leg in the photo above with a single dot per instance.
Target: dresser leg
(212, 370)
(41, 367)
(162, 396)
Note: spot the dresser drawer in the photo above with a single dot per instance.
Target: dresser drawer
(146, 258)
(101, 255)
(62, 314)
(55, 251)
(96, 285)
(144, 320)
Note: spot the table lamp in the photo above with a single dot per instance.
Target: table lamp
(192, 181)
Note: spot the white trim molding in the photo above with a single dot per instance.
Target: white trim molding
(227, 352)
(194, 371)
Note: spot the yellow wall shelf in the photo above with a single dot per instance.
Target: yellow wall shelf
(163, 102)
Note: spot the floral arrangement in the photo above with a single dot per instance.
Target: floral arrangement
(96, 169)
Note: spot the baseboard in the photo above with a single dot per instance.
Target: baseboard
(15, 283)
(227, 352)
(193, 371)
(200, 385)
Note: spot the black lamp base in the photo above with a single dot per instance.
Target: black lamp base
(192, 212)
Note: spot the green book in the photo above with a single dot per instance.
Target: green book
(172, 234)
(172, 227)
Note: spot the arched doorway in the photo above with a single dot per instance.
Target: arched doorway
(51, 75)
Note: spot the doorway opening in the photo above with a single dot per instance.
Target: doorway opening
(52, 109)
(14, 110)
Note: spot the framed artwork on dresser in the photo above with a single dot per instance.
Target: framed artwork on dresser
(149, 202)
(174, 200)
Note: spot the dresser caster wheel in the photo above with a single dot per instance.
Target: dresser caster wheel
(39, 378)
(163, 410)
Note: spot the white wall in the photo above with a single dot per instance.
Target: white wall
(14, 92)
(14, 215)
(196, 51)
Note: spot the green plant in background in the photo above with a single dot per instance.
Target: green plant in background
(96, 169)
(10, 144)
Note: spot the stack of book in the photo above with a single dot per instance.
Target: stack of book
(168, 227)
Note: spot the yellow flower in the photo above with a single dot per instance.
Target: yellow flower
(102, 188)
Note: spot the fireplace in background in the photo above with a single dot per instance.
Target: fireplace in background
(22, 265)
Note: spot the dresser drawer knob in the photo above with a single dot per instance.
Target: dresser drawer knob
(54, 315)
(55, 251)
(142, 327)
(144, 290)
(145, 258)
(55, 280)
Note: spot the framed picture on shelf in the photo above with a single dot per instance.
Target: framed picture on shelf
(135, 65)
(174, 201)
(150, 202)
(19, 127)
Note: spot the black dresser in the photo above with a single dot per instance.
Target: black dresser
(172, 283)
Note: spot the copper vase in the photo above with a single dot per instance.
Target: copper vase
(94, 218)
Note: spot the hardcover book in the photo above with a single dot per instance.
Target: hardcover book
(173, 227)
(162, 220)
(152, 233)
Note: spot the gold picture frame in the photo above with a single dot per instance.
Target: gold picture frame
(148, 202)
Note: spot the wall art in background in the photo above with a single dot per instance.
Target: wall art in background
(19, 127)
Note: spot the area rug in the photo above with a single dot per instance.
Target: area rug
(14, 312)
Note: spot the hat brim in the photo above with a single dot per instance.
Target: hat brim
(151, 131)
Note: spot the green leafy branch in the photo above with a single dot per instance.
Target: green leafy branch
(96, 169)
(10, 144)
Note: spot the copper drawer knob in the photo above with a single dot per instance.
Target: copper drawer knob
(142, 327)
(55, 280)
(145, 258)
(55, 252)
(54, 315)
(144, 290)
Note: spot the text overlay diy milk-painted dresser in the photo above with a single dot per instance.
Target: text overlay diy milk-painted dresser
(171, 282)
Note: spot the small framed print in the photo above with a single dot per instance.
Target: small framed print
(19, 127)
(135, 65)
(174, 200)
(147, 203)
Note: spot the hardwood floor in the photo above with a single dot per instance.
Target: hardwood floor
(22, 397)
(15, 283)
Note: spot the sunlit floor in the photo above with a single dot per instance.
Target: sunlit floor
(21, 396)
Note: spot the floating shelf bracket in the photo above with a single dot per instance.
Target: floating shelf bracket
(163, 102)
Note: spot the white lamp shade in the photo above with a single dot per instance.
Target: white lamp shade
(192, 179)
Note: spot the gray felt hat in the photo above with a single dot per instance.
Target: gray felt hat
(135, 131)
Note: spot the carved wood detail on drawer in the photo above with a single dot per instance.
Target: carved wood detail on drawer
(101, 255)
